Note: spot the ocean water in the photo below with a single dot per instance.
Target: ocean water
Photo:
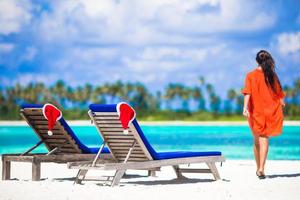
(235, 142)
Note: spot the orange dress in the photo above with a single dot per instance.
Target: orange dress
(265, 108)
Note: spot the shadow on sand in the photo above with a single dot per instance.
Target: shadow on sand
(175, 181)
(64, 179)
(126, 176)
(170, 182)
(283, 175)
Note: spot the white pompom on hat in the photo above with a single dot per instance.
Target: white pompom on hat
(126, 115)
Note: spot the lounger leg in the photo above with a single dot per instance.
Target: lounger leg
(214, 170)
(152, 173)
(6, 166)
(119, 174)
(177, 171)
(36, 171)
(80, 176)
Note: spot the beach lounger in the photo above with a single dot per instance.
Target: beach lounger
(133, 150)
(63, 146)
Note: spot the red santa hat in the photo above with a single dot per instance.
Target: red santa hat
(52, 114)
(126, 115)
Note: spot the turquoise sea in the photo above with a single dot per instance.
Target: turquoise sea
(235, 142)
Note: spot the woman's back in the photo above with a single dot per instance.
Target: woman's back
(263, 99)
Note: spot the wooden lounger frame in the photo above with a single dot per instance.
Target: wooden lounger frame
(61, 146)
(129, 152)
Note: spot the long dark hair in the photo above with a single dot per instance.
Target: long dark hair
(267, 63)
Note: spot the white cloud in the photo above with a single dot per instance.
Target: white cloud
(136, 22)
(4, 81)
(288, 43)
(29, 54)
(86, 58)
(13, 15)
(230, 16)
(172, 53)
(26, 78)
(6, 47)
(165, 59)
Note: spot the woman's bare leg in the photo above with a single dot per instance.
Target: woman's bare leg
(256, 151)
(263, 152)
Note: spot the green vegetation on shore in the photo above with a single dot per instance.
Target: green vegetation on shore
(176, 102)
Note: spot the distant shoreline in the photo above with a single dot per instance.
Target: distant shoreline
(157, 123)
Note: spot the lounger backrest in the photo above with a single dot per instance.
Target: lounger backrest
(60, 138)
(111, 131)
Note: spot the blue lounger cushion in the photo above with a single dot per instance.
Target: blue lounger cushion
(84, 148)
(155, 155)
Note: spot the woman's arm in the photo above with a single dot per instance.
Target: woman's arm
(246, 102)
(282, 102)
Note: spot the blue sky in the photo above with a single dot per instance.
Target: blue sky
(154, 42)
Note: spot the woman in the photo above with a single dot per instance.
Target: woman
(263, 101)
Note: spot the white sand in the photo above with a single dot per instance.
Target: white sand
(238, 182)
